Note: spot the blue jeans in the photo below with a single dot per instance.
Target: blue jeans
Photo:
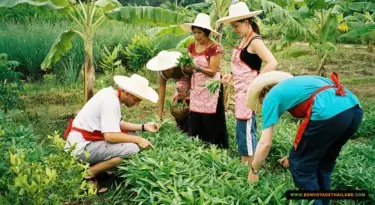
(312, 163)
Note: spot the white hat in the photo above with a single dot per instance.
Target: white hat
(163, 61)
(263, 80)
(237, 12)
(202, 21)
(138, 86)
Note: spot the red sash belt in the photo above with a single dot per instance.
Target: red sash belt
(304, 109)
(89, 136)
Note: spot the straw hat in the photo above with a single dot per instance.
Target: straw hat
(163, 61)
(202, 21)
(138, 86)
(260, 82)
(237, 12)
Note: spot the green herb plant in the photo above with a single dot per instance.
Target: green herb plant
(213, 86)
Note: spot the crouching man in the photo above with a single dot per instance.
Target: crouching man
(99, 131)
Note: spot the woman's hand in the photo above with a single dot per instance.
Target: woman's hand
(226, 78)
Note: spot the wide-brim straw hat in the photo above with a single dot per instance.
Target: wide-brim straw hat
(263, 80)
(164, 61)
(137, 86)
(238, 12)
(202, 21)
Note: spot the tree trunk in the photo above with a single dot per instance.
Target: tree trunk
(219, 30)
(321, 70)
(89, 72)
(370, 46)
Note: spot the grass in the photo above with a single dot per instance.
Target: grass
(29, 44)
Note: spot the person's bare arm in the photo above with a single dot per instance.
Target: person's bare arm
(120, 137)
(263, 147)
(265, 54)
(214, 66)
(162, 88)
(130, 127)
(261, 153)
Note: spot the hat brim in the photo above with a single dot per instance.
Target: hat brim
(230, 19)
(259, 83)
(187, 27)
(125, 83)
(156, 65)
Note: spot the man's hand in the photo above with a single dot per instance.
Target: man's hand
(144, 143)
(284, 162)
(252, 177)
(226, 78)
(152, 127)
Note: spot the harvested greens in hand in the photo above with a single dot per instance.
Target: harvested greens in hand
(184, 60)
(213, 86)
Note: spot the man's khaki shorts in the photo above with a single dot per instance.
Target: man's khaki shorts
(100, 151)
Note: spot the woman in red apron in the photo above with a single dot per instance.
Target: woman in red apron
(207, 115)
(246, 64)
(331, 115)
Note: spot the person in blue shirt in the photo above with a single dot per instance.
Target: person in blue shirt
(332, 114)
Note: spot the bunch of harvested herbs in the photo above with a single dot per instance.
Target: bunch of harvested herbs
(213, 86)
(184, 60)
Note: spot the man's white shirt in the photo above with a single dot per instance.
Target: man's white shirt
(102, 112)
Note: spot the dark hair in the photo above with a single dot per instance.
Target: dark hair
(205, 31)
(254, 25)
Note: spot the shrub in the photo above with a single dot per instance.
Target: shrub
(138, 52)
(10, 84)
(25, 13)
(35, 174)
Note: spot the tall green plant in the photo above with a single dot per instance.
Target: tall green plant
(87, 20)
(110, 60)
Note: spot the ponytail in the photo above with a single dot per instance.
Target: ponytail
(252, 23)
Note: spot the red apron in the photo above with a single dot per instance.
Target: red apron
(96, 135)
(304, 109)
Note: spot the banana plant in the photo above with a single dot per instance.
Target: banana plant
(362, 24)
(215, 8)
(87, 18)
(315, 21)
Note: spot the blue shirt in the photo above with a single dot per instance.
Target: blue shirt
(291, 92)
